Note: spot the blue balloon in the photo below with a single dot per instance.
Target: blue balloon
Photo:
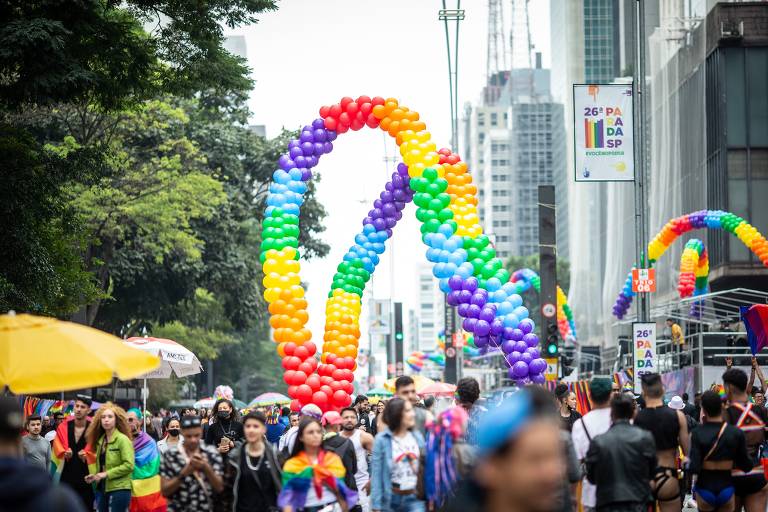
(511, 320)
(360, 238)
(521, 312)
(498, 297)
(433, 255)
(504, 308)
(444, 287)
(445, 230)
(516, 300)
(438, 270)
(280, 176)
(295, 174)
(492, 284)
(450, 269)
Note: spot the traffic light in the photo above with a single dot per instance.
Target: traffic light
(565, 364)
(552, 341)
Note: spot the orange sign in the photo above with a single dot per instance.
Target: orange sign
(644, 280)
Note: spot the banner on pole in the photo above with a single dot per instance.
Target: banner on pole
(603, 132)
(644, 347)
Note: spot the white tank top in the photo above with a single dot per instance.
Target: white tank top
(361, 477)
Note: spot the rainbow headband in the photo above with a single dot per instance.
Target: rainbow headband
(464, 260)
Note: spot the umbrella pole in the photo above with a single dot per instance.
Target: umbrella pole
(144, 412)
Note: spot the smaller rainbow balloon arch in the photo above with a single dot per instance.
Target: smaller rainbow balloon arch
(694, 263)
(417, 359)
(525, 279)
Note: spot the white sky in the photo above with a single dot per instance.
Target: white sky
(313, 52)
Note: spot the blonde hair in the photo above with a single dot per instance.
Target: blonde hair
(95, 430)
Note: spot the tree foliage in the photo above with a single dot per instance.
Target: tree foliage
(532, 301)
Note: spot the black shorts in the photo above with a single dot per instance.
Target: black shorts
(746, 485)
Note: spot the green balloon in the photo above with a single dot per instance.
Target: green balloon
(418, 184)
(487, 254)
(425, 214)
(442, 183)
(444, 215)
(502, 275)
(433, 189)
(430, 174)
(430, 226)
(452, 223)
(436, 205)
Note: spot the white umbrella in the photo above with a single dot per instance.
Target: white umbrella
(175, 359)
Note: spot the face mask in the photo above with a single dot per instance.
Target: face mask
(223, 415)
(173, 432)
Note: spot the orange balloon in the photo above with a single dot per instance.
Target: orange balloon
(281, 349)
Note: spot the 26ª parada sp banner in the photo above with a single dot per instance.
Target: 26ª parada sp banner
(603, 132)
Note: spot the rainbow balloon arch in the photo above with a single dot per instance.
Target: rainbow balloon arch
(465, 262)
(417, 359)
(694, 262)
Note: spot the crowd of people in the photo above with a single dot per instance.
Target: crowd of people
(531, 452)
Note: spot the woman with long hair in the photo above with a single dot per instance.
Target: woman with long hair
(225, 429)
(110, 437)
(395, 462)
(566, 402)
(313, 478)
(173, 438)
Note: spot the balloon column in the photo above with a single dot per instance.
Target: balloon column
(712, 219)
(694, 274)
(464, 260)
(526, 279)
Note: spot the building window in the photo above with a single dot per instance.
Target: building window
(427, 305)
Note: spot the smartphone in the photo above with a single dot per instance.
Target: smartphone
(224, 441)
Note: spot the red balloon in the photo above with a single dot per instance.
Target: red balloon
(342, 128)
(335, 110)
(363, 99)
(348, 375)
(289, 348)
(292, 391)
(344, 119)
(330, 368)
(346, 100)
(340, 398)
(322, 370)
(295, 405)
(301, 352)
(336, 385)
(356, 125)
(324, 111)
(314, 382)
(350, 362)
(320, 399)
(306, 367)
(352, 108)
(371, 121)
(331, 358)
(311, 347)
(365, 107)
(291, 363)
(326, 380)
(378, 100)
(288, 376)
(299, 378)
(338, 374)
(304, 393)
(347, 386)
(328, 390)
(331, 123)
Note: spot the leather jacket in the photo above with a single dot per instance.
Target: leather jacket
(621, 463)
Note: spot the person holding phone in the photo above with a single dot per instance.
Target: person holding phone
(313, 478)
(226, 429)
(110, 436)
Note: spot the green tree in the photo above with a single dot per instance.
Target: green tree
(531, 298)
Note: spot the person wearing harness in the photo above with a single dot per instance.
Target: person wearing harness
(363, 442)
(670, 430)
(595, 422)
(750, 486)
(716, 448)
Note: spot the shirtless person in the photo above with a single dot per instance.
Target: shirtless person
(670, 430)
(363, 442)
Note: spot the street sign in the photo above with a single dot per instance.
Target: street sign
(551, 372)
(644, 351)
(450, 352)
(548, 310)
(644, 280)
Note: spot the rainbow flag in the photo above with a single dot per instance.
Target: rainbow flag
(755, 319)
(593, 134)
(299, 474)
(61, 444)
(145, 481)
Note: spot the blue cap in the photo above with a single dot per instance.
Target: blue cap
(503, 423)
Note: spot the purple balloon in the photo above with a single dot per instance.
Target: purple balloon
(295, 152)
(511, 373)
(455, 282)
(508, 346)
(306, 174)
(465, 296)
(376, 213)
(306, 136)
(319, 123)
(389, 209)
(463, 309)
(538, 365)
(535, 352)
(397, 181)
(452, 298)
(474, 311)
(301, 161)
(525, 325)
(386, 196)
(332, 134)
(508, 333)
(481, 341)
(482, 328)
(380, 224)
(391, 222)
(319, 135)
(520, 369)
(539, 379)
(307, 148)
(471, 284)
(497, 326)
(469, 324)
(294, 144)
(311, 160)
(318, 148)
(286, 163)
(517, 334)
(531, 339)
(327, 147)
(478, 299)
(521, 346)
(526, 358)
(487, 314)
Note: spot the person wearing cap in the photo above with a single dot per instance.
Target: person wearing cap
(111, 458)
(25, 487)
(595, 422)
(669, 429)
(252, 473)
(621, 462)
(285, 447)
(396, 457)
(190, 476)
(68, 451)
(341, 446)
(520, 463)
(145, 480)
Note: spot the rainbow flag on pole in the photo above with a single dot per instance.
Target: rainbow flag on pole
(145, 481)
(755, 319)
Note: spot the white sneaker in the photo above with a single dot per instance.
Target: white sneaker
(690, 503)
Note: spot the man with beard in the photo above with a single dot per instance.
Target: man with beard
(145, 481)
(69, 451)
(363, 407)
(363, 443)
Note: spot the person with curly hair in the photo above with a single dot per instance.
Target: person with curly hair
(111, 464)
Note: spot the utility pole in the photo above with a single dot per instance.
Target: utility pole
(641, 193)
(452, 363)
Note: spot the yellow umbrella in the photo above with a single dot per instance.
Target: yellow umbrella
(41, 355)
(421, 383)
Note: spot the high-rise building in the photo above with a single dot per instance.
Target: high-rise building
(430, 310)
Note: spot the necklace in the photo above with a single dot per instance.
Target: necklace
(258, 464)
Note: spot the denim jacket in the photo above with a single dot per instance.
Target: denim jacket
(381, 468)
